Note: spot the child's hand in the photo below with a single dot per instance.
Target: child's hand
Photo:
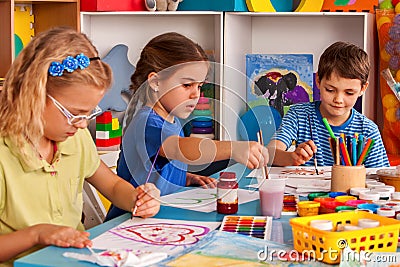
(303, 153)
(252, 154)
(203, 181)
(148, 200)
(61, 236)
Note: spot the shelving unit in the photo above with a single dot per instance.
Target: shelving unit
(135, 29)
(291, 32)
(47, 14)
(232, 35)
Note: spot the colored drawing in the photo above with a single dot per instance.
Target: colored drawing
(162, 234)
(203, 200)
(154, 235)
(281, 79)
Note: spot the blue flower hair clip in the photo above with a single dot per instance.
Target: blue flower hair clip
(70, 64)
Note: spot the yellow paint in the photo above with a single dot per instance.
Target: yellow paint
(115, 124)
(310, 6)
(23, 21)
(260, 6)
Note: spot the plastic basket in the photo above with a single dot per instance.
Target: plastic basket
(326, 246)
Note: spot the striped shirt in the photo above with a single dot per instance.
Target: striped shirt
(296, 127)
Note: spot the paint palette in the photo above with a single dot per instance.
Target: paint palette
(255, 226)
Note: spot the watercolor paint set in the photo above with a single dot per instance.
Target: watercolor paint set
(254, 226)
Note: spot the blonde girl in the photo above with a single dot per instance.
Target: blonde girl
(50, 94)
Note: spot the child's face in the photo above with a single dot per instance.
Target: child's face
(179, 93)
(78, 100)
(338, 96)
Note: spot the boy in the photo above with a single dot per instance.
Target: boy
(342, 77)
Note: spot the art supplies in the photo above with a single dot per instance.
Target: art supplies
(328, 127)
(255, 226)
(148, 177)
(312, 138)
(344, 178)
(260, 140)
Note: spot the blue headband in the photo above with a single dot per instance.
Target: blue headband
(70, 64)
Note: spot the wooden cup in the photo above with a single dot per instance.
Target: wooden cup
(345, 177)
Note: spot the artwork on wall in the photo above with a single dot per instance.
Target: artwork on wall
(279, 80)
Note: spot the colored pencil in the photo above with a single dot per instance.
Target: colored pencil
(345, 153)
(260, 140)
(360, 145)
(337, 151)
(366, 150)
(328, 127)
(354, 150)
(312, 138)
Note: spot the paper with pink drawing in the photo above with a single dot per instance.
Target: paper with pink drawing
(154, 235)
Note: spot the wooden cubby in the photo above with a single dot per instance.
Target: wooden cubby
(47, 14)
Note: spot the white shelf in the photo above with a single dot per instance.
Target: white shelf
(232, 35)
(291, 32)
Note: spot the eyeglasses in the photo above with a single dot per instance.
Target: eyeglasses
(72, 119)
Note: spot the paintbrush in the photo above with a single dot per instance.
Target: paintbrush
(147, 178)
(312, 138)
(260, 140)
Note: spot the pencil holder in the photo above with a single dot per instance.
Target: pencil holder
(345, 177)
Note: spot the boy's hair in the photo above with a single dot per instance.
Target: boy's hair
(347, 60)
(160, 55)
(27, 83)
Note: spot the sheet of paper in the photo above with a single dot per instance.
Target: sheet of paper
(295, 172)
(154, 235)
(203, 200)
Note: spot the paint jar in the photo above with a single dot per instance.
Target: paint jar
(227, 193)
(355, 203)
(344, 198)
(368, 206)
(308, 208)
(386, 212)
(329, 206)
(312, 196)
(344, 208)
(368, 223)
(345, 177)
(326, 225)
(384, 194)
(369, 196)
(355, 191)
(394, 206)
(336, 194)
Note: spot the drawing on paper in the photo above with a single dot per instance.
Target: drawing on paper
(303, 171)
(198, 197)
(154, 235)
(279, 79)
(162, 233)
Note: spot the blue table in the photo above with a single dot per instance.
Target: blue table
(52, 256)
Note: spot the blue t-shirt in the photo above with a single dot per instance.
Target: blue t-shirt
(296, 127)
(141, 141)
